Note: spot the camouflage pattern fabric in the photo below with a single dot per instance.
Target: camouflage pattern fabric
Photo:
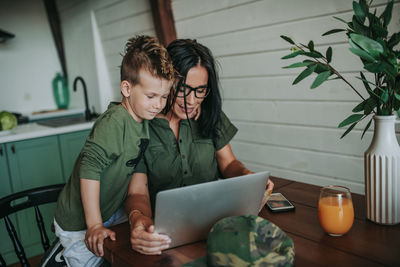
(246, 241)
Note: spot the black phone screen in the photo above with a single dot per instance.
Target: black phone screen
(277, 202)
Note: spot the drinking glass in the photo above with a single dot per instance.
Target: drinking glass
(335, 210)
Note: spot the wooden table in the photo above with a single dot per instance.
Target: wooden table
(367, 243)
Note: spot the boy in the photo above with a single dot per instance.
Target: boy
(92, 198)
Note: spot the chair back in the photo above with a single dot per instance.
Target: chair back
(24, 200)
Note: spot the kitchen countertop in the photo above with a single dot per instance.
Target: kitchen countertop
(34, 130)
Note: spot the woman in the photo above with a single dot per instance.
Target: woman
(183, 151)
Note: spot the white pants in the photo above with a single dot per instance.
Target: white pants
(76, 253)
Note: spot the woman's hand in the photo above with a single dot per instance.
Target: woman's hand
(267, 193)
(143, 238)
(94, 238)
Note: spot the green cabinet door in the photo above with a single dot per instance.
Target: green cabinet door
(34, 163)
(6, 247)
(5, 188)
(71, 145)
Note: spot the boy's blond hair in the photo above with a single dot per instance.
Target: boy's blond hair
(145, 52)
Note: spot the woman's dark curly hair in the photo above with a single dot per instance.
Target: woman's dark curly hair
(186, 54)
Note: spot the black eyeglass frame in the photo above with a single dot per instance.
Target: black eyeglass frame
(192, 89)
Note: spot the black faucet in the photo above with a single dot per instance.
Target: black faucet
(88, 114)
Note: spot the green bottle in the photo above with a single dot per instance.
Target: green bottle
(60, 91)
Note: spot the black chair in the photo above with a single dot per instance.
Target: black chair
(32, 198)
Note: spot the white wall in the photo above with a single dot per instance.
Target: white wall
(95, 33)
(289, 130)
(28, 62)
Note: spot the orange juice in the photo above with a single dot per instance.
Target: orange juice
(336, 214)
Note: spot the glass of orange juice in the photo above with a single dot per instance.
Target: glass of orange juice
(335, 210)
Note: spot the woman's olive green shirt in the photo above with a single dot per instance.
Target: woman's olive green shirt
(191, 159)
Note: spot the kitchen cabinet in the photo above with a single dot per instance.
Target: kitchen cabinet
(5, 189)
(33, 163)
(71, 144)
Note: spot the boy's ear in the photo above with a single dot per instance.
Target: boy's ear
(125, 88)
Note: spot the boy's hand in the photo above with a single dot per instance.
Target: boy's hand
(143, 238)
(94, 238)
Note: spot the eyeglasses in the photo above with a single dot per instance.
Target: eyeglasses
(199, 92)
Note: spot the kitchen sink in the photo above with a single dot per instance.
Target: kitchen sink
(63, 121)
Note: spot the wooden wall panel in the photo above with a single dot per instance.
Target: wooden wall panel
(120, 10)
(290, 130)
(187, 9)
(318, 163)
(281, 88)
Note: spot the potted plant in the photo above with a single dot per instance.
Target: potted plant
(369, 40)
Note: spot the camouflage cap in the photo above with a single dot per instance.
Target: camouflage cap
(246, 240)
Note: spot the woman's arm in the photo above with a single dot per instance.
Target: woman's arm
(96, 232)
(137, 206)
(228, 164)
(231, 167)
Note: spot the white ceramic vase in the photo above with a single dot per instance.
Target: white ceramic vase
(382, 173)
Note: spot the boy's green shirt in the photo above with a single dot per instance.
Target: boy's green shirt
(110, 155)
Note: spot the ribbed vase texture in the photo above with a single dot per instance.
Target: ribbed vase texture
(382, 173)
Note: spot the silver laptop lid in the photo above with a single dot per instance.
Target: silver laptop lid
(187, 214)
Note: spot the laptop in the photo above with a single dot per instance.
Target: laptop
(186, 214)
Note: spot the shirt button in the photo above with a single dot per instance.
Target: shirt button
(180, 140)
(185, 172)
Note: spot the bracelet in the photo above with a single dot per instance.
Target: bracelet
(132, 212)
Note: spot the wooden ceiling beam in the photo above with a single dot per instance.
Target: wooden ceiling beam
(163, 19)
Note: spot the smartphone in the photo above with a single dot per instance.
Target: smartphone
(277, 203)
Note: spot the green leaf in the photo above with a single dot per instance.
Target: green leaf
(365, 81)
(329, 54)
(359, 12)
(385, 96)
(359, 107)
(379, 31)
(387, 14)
(322, 77)
(359, 27)
(297, 65)
(305, 73)
(370, 105)
(294, 54)
(287, 39)
(350, 119)
(374, 67)
(362, 54)
(394, 40)
(397, 96)
(311, 45)
(333, 31)
(372, 47)
(342, 20)
(348, 130)
(366, 128)
(321, 68)
(313, 54)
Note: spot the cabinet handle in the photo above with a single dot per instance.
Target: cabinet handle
(13, 148)
(1, 150)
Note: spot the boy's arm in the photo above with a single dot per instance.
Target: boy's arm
(138, 208)
(96, 232)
